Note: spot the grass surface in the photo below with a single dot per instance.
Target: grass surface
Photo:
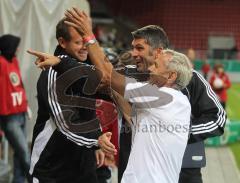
(233, 111)
(236, 152)
(233, 103)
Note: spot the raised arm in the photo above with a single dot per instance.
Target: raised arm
(80, 21)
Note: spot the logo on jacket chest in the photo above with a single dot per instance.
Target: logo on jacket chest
(14, 78)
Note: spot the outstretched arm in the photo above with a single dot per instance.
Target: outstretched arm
(45, 60)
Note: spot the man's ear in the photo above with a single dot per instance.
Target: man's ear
(172, 77)
(62, 42)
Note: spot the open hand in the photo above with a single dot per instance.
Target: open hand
(80, 20)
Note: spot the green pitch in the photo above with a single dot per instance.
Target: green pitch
(233, 111)
(235, 147)
(233, 103)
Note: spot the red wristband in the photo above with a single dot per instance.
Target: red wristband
(88, 38)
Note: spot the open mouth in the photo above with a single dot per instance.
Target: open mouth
(82, 54)
(138, 62)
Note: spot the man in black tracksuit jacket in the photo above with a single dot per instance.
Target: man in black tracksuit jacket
(207, 120)
(59, 154)
(64, 152)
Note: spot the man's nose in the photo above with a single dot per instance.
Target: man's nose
(134, 53)
(84, 47)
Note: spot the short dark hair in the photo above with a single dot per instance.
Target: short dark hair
(155, 36)
(62, 30)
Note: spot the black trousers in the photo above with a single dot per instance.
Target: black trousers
(125, 148)
(190, 175)
(103, 174)
(63, 161)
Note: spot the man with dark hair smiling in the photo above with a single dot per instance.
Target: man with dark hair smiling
(60, 153)
(208, 117)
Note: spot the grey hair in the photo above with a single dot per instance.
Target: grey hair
(154, 35)
(182, 65)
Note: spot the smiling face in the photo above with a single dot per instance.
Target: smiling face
(143, 54)
(75, 47)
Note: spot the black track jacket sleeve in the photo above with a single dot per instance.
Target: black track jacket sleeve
(208, 117)
(66, 104)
